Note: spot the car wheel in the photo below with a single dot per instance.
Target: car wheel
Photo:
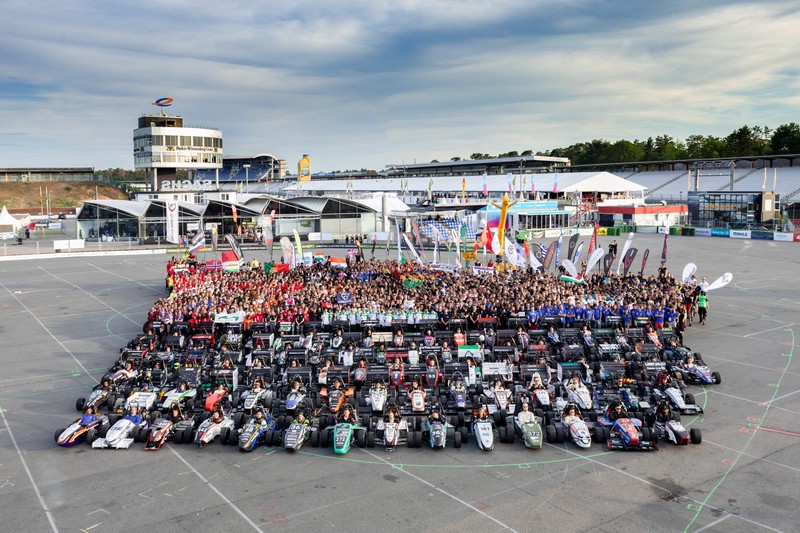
(411, 439)
(418, 440)
(509, 432)
(91, 435)
(179, 437)
(370, 439)
(361, 439)
(502, 433)
(464, 434)
(550, 433)
(696, 435)
(324, 438)
(561, 434)
(457, 439)
(717, 377)
(315, 439)
(80, 403)
(689, 399)
(58, 433)
(188, 435)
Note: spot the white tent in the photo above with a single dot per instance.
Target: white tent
(9, 226)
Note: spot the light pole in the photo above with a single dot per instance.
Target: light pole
(246, 178)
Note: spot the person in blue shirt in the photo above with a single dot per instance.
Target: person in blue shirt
(134, 416)
(88, 416)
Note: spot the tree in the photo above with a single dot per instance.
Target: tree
(744, 141)
(526, 153)
(623, 151)
(478, 155)
(786, 139)
(456, 158)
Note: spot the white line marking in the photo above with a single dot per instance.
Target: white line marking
(98, 511)
(768, 330)
(215, 489)
(714, 523)
(753, 401)
(782, 397)
(451, 496)
(752, 456)
(747, 364)
(159, 292)
(36, 318)
(90, 295)
(47, 511)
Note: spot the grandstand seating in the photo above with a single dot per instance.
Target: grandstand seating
(235, 173)
(672, 184)
(444, 225)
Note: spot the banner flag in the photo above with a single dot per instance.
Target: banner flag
(578, 253)
(624, 251)
(644, 260)
(198, 242)
(720, 282)
(688, 272)
(172, 222)
(558, 251)
(664, 251)
(593, 242)
(569, 266)
(595, 258)
(607, 261)
(571, 244)
(548, 258)
(627, 261)
(288, 251)
(412, 249)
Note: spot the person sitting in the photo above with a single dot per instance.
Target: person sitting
(416, 388)
(482, 413)
(88, 416)
(447, 353)
(133, 415)
(553, 337)
(688, 361)
(398, 339)
(525, 416)
(175, 415)
(337, 339)
(664, 413)
(221, 389)
(523, 340)
(297, 386)
(413, 354)
(536, 382)
(616, 411)
(301, 419)
(259, 419)
(258, 385)
(346, 355)
(216, 417)
(575, 382)
(588, 339)
(570, 413)
(429, 339)
(346, 416)
(435, 417)
(459, 339)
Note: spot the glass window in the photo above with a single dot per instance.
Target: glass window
(158, 140)
(197, 141)
(186, 140)
(208, 142)
(172, 140)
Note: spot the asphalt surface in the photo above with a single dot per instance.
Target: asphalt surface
(64, 320)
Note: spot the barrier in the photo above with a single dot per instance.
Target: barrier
(740, 234)
(783, 237)
(69, 245)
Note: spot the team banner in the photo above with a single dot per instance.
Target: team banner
(539, 252)
(607, 261)
(569, 266)
(593, 242)
(288, 251)
(532, 259)
(548, 258)
(234, 245)
(664, 251)
(688, 272)
(624, 251)
(627, 261)
(571, 244)
(172, 223)
(644, 260)
(214, 238)
(594, 258)
(558, 250)
(298, 246)
(399, 241)
(412, 249)
(577, 253)
(720, 282)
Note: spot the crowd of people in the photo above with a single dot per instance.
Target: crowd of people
(388, 292)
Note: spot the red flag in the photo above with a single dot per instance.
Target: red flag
(555, 183)
(234, 214)
(485, 237)
(527, 250)
(593, 242)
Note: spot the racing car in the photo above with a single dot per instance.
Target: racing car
(437, 433)
(530, 433)
(122, 434)
(673, 394)
(163, 429)
(211, 428)
(76, 432)
(625, 433)
(252, 434)
(343, 435)
(391, 432)
(568, 422)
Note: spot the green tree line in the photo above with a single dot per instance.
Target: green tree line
(744, 141)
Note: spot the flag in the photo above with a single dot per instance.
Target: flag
(533, 186)
(624, 251)
(720, 282)
(374, 243)
(214, 238)
(417, 236)
(644, 260)
(532, 259)
(496, 247)
(463, 235)
(430, 189)
(234, 214)
(558, 250)
(548, 258)
(399, 239)
(172, 222)
(213, 264)
(593, 242)
(230, 262)
(412, 249)
(573, 241)
(198, 243)
(664, 251)
(319, 257)
(308, 258)
(485, 186)
(510, 183)
(464, 189)
(351, 253)
(288, 251)
(338, 262)
(298, 247)
(234, 245)
(593, 260)
(578, 253)
(627, 261)
(555, 183)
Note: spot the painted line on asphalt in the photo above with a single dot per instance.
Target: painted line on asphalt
(149, 287)
(36, 318)
(714, 523)
(216, 490)
(46, 509)
(451, 496)
(768, 330)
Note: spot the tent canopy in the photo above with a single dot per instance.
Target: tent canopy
(8, 224)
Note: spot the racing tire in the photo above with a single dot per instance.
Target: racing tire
(225, 438)
(104, 430)
(58, 433)
(536, 412)
(550, 433)
(113, 419)
(676, 416)
(411, 439)
(689, 398)
(365, 421)
(509, 432)
(91, 436)
(646, 434)
(503, 434)
(418, 438)
(179, 437)
(315, 439)
(464, 434)
(188, 435)
(695, 435)
(454, 421)
(417, 423)
(80, 403)
(600, 435)
(497, 418)
(361, 438)
(141, 434)
(370, 439)
(154, 416)
(457, 439)
(269, 437)
(460, 418)
(277, 438)
(324, 438)
(238, 418)
(716, 377)
(561, 434)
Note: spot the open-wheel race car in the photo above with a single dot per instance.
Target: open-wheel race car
(77, 432)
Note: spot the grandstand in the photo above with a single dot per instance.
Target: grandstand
(674, 185)
(262, 167)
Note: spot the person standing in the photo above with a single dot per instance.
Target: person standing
(612, 248)
(702, 307)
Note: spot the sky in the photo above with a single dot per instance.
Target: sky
(364, 84)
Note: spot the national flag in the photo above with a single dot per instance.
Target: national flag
(485, 186)
(664, 251)
(234, 214)
(319, 257)
(198, 243)
(555, 183)
(213, 264)
(338, 262)
(351, 253)
(230, 262)
(282, 268)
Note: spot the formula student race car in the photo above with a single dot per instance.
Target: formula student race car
(123, 434)
(76, 432)
(210, 429)
(343, 435)
(391, 434)
(571, 427)
(673, 431)
(298, 433)
(625, 434)
(684, 403)
(99, 396)
(163, 429)
(253, 434)
(437, 432)
(531, 433)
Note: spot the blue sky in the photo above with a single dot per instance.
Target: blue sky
(366, 83)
